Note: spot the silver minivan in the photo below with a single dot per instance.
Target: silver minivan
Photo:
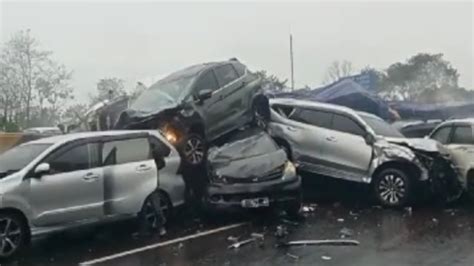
(66, 181)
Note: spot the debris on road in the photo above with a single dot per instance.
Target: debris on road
(435, 221)
(409, 210)
(292, 256)
(293, 223)
(233, 239)
(326, 258)
(340, 220)
(346, 232)
(281, 231)
(326, 242)
(309, 208)
(241, 243)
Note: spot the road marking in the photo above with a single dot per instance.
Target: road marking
(157, 245)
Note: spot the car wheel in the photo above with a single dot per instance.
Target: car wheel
(14, 235)
(392, 188)
(294, 208)
(194, 150)
(148, 215)
(166, 206)
(260, 113)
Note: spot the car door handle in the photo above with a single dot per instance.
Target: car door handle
(90, 177)
(331, 138)
(143, 168)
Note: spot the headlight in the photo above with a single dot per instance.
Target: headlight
(290, 170)
(170, 133)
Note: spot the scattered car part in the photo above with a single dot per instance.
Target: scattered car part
(327, 242)
(241, 243)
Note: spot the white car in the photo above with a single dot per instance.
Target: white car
(457, 136)
(65, 181)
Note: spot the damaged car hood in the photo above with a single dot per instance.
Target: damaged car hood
(427, 145)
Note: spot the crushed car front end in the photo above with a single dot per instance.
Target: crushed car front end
(252, 173)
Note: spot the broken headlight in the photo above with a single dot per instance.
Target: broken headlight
(290, 171)
(170, 133)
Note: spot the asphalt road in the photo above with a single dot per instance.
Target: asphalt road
(428, 234)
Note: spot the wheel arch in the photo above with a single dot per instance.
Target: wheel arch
(410, 169)
(18, 213)
(261, 99)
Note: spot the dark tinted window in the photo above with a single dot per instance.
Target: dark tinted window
(159, 147)
(77, 158)
(206, 82)
(462, 135)
(347, 125)
(442, 134)
(125, 151)
(312, 117)
(225, 74)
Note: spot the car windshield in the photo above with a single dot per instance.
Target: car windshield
(167, 91)
(381, 127)
(15, 159)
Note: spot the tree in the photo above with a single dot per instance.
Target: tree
(418, 77)
(108, 88)
(338, 70)
(31, 81)
(272, 81)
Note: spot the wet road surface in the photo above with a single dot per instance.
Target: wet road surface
(428, 234)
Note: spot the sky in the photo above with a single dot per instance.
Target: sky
(141, 41)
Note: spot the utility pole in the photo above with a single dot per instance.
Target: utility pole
(291, 62)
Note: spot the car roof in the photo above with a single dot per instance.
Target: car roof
(83, 135)
(463, 121)
(312, 104)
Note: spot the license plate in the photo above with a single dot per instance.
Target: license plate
(255, 203)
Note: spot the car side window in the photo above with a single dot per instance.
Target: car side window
(442, 134)
(225, 74)
(462, 135)
(240, 69)
(345, 124)
(313, 117)
(125, 151)
(206, 82)
(81, 157)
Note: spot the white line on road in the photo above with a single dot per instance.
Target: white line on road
(157, 245)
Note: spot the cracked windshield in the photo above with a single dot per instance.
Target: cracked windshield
(236, 132)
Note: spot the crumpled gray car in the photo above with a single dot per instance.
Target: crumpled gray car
(339, 142)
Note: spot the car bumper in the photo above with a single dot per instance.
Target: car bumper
(231, 196)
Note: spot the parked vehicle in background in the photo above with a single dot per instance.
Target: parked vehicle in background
(251, 171)
(338, 142)
(457, 136)
(47, 131)
(61, 182)
(198, 104)
(416, 129)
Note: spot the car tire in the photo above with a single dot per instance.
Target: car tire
(392, 188)
(148, 216)
(260, 112)
(293, 207)
(15, 235)
(194, 150)
(166, 206)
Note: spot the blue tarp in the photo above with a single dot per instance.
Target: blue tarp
(347, 93)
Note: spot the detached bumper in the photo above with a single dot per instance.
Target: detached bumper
(231, 196)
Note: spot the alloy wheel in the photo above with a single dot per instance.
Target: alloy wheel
(392, 188)
(259, 119)
(194, 150)
(11, 235)
(151, 214)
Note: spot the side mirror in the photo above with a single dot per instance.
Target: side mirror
(42, 169)
(204, 95)
(369, 139)
(160, 163)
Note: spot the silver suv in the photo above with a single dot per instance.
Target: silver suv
(339, 142)
(66, 181)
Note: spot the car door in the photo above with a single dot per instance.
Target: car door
(130, 174)
(208, 108)
(307, 128)
(72, 190)
(461, 147)
(345, 149)
(229, 105)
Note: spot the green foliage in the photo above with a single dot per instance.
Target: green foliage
(271, 81)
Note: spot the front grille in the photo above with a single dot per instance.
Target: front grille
(272, 175)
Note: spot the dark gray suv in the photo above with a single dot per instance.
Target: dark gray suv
(199, 104)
